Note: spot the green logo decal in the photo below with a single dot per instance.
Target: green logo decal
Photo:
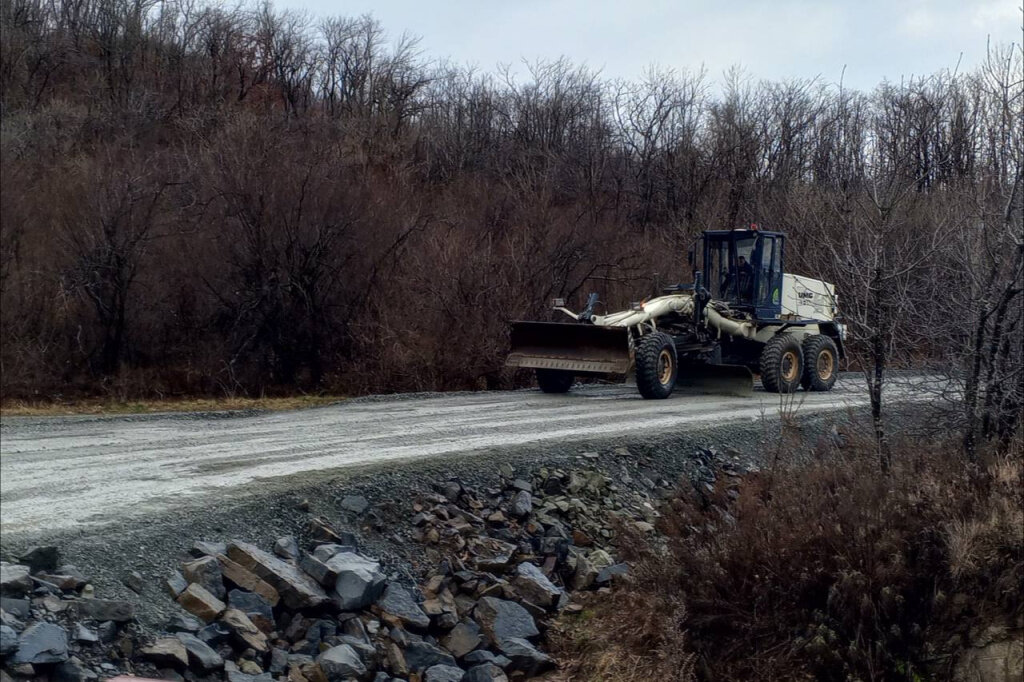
(775, 296)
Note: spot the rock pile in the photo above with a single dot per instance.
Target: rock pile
(52, 626)
(495, 562)
(499, 561)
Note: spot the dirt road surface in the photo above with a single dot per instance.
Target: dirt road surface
(65, 472)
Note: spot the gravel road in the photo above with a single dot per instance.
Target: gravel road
(78, 472)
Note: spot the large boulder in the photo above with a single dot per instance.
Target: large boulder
(535, 587)
(524, 656)
(464, 638)
(42, 643)
(341, 663)
(297, 590)
(359, 581)
(400, 602)
(502, 619)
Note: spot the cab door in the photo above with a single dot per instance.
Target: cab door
(768, 277)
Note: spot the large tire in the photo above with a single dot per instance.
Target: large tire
(782, 362)
(554, 380)
(656, 366)
(821, 363)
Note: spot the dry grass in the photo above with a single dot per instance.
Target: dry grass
(828, 571)
(22, 408)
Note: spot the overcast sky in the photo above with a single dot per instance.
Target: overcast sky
(780, 39)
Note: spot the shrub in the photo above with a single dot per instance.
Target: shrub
(829, 570)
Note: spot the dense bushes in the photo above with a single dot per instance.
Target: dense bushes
(829, 570)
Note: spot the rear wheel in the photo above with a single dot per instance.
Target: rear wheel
(821, 363)
(656, 365)
(554, 380)
(782, 363)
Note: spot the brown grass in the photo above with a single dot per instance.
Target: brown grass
(23, 408)
(827, 571)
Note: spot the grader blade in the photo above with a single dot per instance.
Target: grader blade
(578, 348)
(734, 380)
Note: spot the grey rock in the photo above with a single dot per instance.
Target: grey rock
(524, 656)
(42, 643)
(443, 673)
(19, 608)
(486, 672)
(502, 619)
(107, 631)
(287, 547)
(535, 587)
(326, 551)
(8, 640)
(341, 663)
(255, 606)
(84, 635)
(15, 580)
(401, 603)
(41, 558)
(366, 651)
(606, 574)
(520, 484)
(206, 572)
(463, 639)
(356, 504)
(181, 622)
(422, 655)
(72, 670)
(201, 657)
(176, 584)
(105, 609)
(214, 634)
(297, 590)
(483, 656)
(278, 661)
(382, 677)
(238, 676)
(317, 570)
(522, 504)
(133, 581)
(359, 582)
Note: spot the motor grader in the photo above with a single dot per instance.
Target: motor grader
(742, 315)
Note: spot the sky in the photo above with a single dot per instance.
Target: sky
(775, 40)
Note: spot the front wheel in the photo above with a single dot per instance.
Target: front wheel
(821, 363)
(782, 364)
(554, 380)
(656, 365)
